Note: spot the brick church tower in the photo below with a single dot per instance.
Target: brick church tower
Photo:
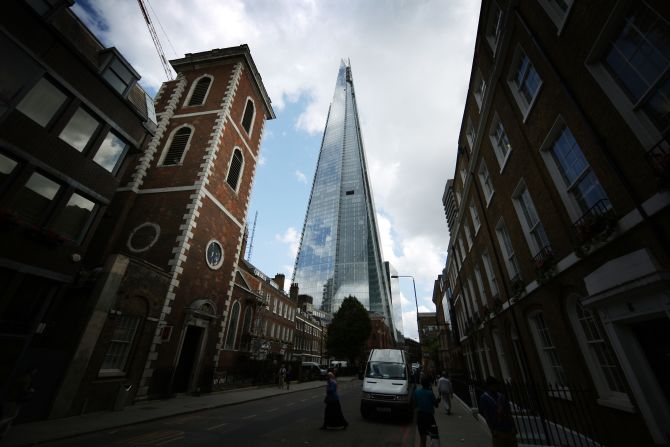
(173, 238)
(194, 185)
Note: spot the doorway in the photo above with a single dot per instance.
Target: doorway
(654, 339)
(187, 359)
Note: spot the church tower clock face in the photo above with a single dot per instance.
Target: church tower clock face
(214, 254)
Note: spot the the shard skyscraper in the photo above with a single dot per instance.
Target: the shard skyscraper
(339, 253)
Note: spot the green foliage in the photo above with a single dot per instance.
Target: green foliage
(349, 330)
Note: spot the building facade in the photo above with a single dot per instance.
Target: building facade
(339, 253)
(558, 209)
(72, 121)
(172, 239)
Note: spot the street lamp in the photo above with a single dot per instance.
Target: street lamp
(416, 302)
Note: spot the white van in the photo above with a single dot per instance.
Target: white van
(387, 385)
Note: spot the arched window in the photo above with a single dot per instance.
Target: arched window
(600, 359)
(199, 92)
(175, 152)
(235, 169)
(232, 326)
(248, 117)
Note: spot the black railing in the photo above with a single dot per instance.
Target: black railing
(545, 264)
(548, 415)
(597, 220)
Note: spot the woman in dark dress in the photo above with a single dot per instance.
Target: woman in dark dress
(333, 417)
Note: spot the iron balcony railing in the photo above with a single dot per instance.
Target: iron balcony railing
(595, 221)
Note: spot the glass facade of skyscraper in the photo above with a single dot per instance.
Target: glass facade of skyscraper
(339, 252)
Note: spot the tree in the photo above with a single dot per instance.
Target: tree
(349, 331)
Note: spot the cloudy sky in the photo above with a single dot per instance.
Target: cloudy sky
(411, 62)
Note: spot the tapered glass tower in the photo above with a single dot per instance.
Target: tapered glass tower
(339, 252)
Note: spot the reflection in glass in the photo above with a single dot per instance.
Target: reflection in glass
(339, 252)
(110, 152)
(35, 198)
(74, 218)
(79, 130)
(42, 102)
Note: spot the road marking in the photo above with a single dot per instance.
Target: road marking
(249, 417)
(272, 409)
(185, 419)
(156, 437)
(170, 440)
(303, 400)
(289, 404)
(217, 426)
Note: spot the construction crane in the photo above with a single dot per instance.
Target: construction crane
(251, 239)
(157, 42)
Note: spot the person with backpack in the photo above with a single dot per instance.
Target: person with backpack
(426, 402)
(495, 408)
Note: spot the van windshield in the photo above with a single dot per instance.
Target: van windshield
(386, 370)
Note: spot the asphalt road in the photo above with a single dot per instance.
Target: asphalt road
(284, 420)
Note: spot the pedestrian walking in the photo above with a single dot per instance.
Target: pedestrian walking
(282, 376)
(445, 391)
(426, 402)
(333, 417)
(289, 377)
(495, 408)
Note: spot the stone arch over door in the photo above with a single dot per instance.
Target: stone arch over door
(199, 316)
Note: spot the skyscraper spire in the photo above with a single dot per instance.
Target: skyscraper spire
(339, 253)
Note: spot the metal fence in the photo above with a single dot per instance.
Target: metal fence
(548, 415)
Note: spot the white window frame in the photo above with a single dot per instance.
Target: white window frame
(507, 249)
(497, 132)
(607, 396)
(495, 13)
(555, 13)
(468, 236)
(570, 203)
(475, 218)
(240, 174)
(470, 134)
(525, 106)
(480, 285)
(230, 326)
(645, 130)
(500, 353)
(480, 90)
(490, 274)
(169, 143)
(522, 208)
(253, 117)
(127, 345)
(193, 84)
(473, 294)
(485, 180)
(461, 245)
(535, 319)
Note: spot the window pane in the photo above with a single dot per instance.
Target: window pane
(7, 165)
(121, 342)
(568, 157)
(42, 102)
(110, 152)
(72, 221)
(79, 130)
(34, 199)
(115, 81)
(588, 191)
(248, 116)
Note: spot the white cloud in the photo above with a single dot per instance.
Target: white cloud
(302, 178)
(411, 64)
(291, 237)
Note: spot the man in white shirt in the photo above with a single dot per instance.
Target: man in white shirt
(444, 388)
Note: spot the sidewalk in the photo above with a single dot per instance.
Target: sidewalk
(459, 428)
(57, 429)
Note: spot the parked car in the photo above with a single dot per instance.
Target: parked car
(312, 370)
